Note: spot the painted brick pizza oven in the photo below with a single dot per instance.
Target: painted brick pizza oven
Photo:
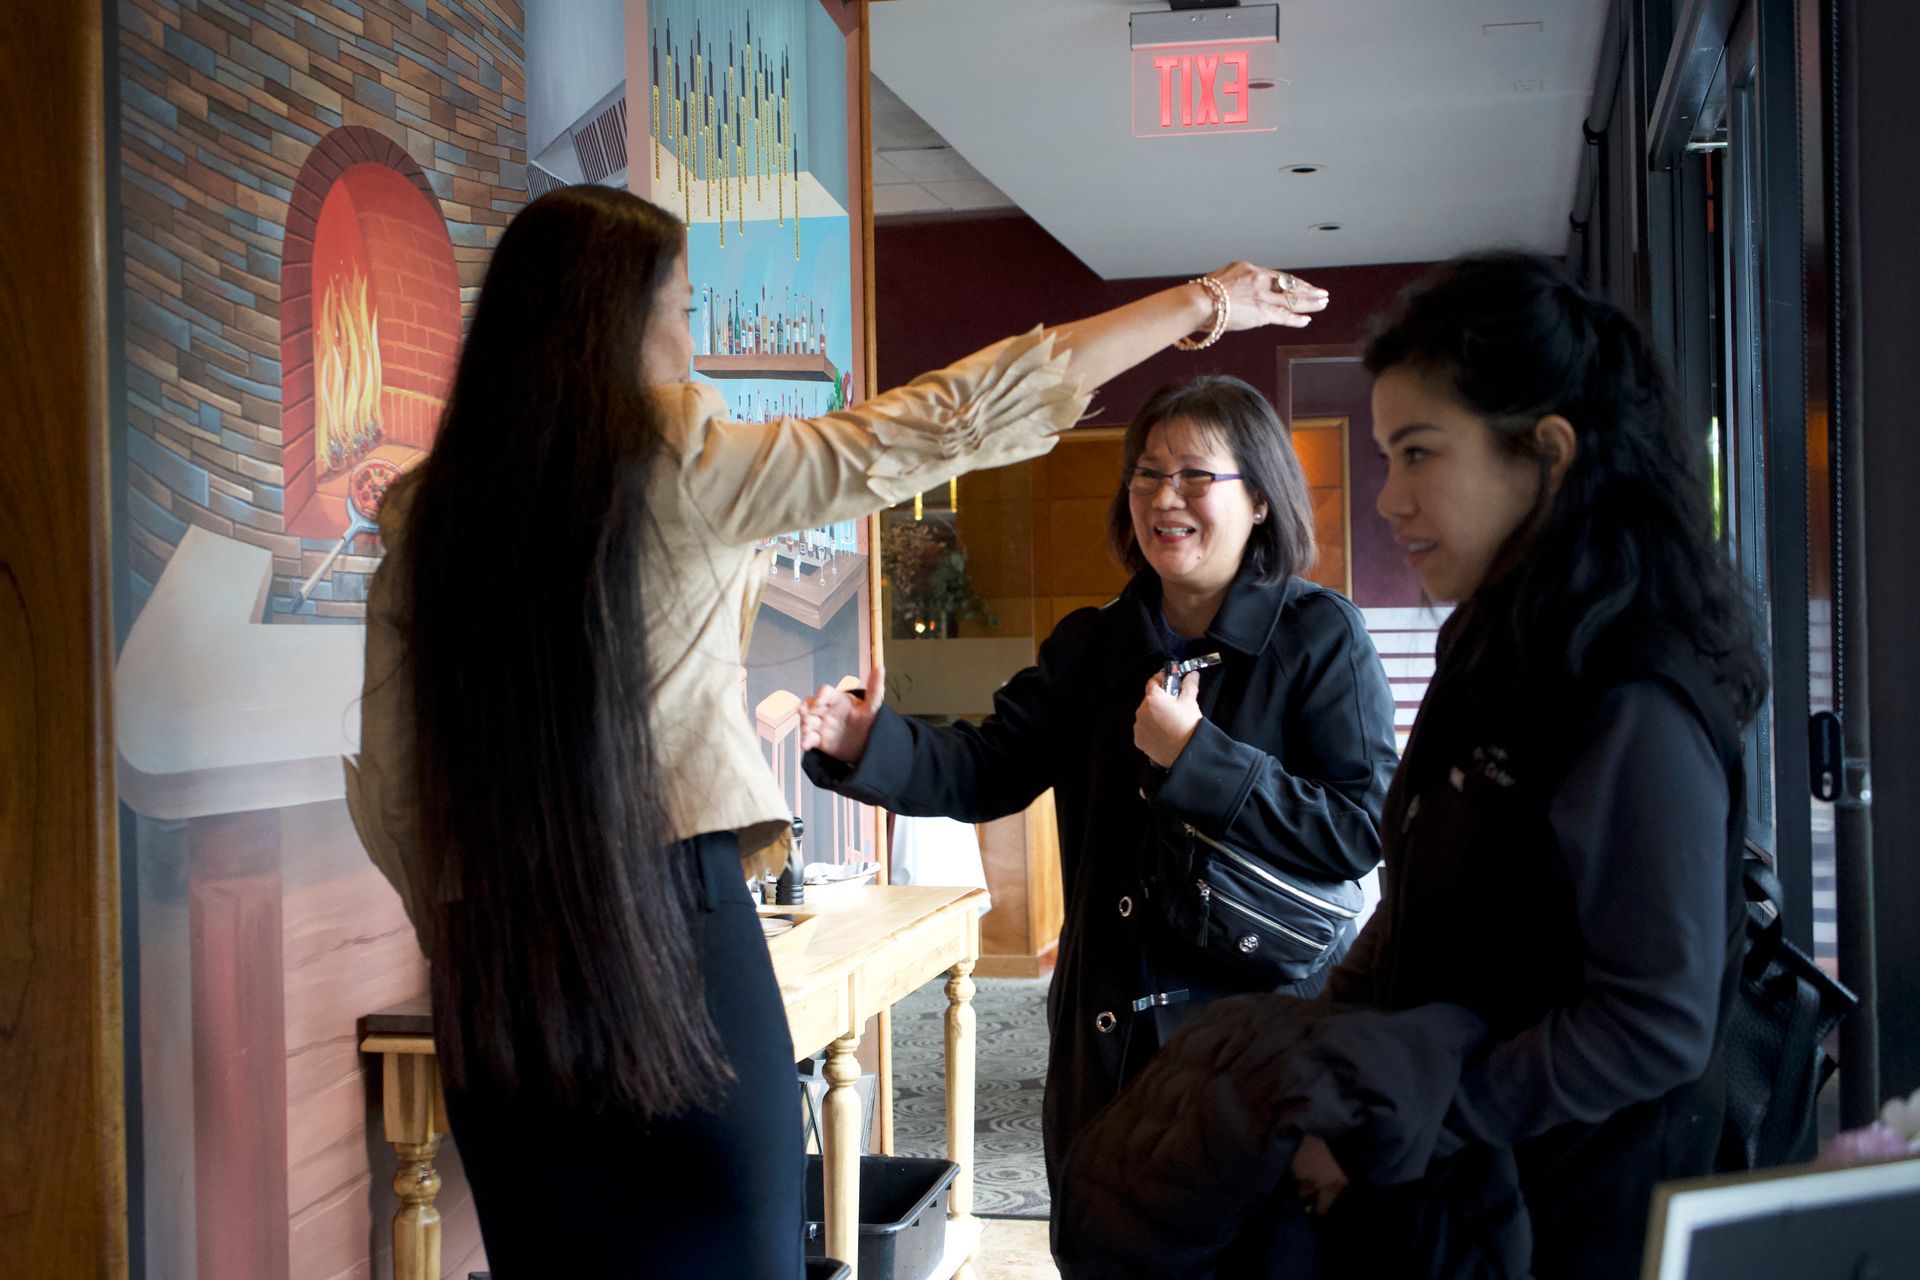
(369, 320)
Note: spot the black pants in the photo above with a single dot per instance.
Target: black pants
(708, 1194)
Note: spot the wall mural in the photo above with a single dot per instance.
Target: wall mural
(751, 149)
(308, 196)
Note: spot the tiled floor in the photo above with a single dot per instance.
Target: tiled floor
(1013, 1249)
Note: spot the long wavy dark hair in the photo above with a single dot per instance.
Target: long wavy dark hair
(563, 957)
(1623, 554)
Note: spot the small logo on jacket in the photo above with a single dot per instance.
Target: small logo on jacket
(1489, 762)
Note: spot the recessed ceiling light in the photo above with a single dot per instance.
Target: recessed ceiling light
(1324, 226)
(1300, 168)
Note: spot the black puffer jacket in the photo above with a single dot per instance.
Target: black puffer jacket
(1187, 1176)
(1291, 761)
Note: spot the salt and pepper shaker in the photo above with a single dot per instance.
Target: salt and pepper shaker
(790, 889)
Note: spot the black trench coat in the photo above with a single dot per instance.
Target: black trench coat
(1291, 761)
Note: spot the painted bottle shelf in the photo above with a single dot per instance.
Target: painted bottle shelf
(793, 367)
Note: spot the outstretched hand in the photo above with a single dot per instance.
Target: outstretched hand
(1265, 295)
(838, 723)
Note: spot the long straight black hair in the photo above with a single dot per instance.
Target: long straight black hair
(1623, 554)
(563, 960)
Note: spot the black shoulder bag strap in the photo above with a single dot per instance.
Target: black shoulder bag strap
(1800, 1036)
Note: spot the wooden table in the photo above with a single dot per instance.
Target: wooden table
(870, 947)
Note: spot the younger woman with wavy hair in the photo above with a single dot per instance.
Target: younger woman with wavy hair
(1563, 837)
(556, 770)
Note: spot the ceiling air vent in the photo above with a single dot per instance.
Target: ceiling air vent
(539, 181)
(600, 140)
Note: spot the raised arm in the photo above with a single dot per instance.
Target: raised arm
(1100, 347)
(1000, 405)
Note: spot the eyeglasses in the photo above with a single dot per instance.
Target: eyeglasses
(1190, 483)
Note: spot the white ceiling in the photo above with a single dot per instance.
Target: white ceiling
(915, 170)
(1436, 134)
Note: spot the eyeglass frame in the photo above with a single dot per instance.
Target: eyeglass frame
(1161, 478)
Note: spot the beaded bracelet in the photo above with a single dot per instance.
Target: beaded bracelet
(1222, 312)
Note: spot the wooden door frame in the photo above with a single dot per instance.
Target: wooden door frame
(1291, 353)
(1344, 425)
(63, 1193)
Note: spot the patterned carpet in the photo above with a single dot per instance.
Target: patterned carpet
(1009, 1179)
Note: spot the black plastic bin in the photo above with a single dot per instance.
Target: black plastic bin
(903, 1215)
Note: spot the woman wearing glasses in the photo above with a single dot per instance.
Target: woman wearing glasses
(1281, 752)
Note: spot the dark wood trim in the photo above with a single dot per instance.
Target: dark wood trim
(867, 345)
(866, 339)
(876, 1048)
(63, 1195)
(408, 1018)
(845, 14)
(950, 215)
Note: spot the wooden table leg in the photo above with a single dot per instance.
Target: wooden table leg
(960, 1076)
(883, 1079)
(415, 1117)
(840, 1151)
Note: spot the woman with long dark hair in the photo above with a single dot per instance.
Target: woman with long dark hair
(1522, 1041)
(1565, 832)
(556, 771)
(1182, 805)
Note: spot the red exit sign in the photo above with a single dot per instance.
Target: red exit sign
(1205, 71)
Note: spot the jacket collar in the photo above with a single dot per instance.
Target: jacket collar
(1245, 623)
(1251, 611)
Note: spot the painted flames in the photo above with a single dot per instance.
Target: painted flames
(347, 367)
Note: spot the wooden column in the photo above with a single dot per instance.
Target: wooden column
(63, 1198)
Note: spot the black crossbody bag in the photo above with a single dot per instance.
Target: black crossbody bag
(1276, 925)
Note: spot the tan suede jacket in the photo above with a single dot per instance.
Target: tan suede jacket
(721, 486)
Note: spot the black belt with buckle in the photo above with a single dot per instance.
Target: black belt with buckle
(1160, 999)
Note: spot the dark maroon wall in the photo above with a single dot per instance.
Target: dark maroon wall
(947, 287)
(1341, 388)
(944, 287)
